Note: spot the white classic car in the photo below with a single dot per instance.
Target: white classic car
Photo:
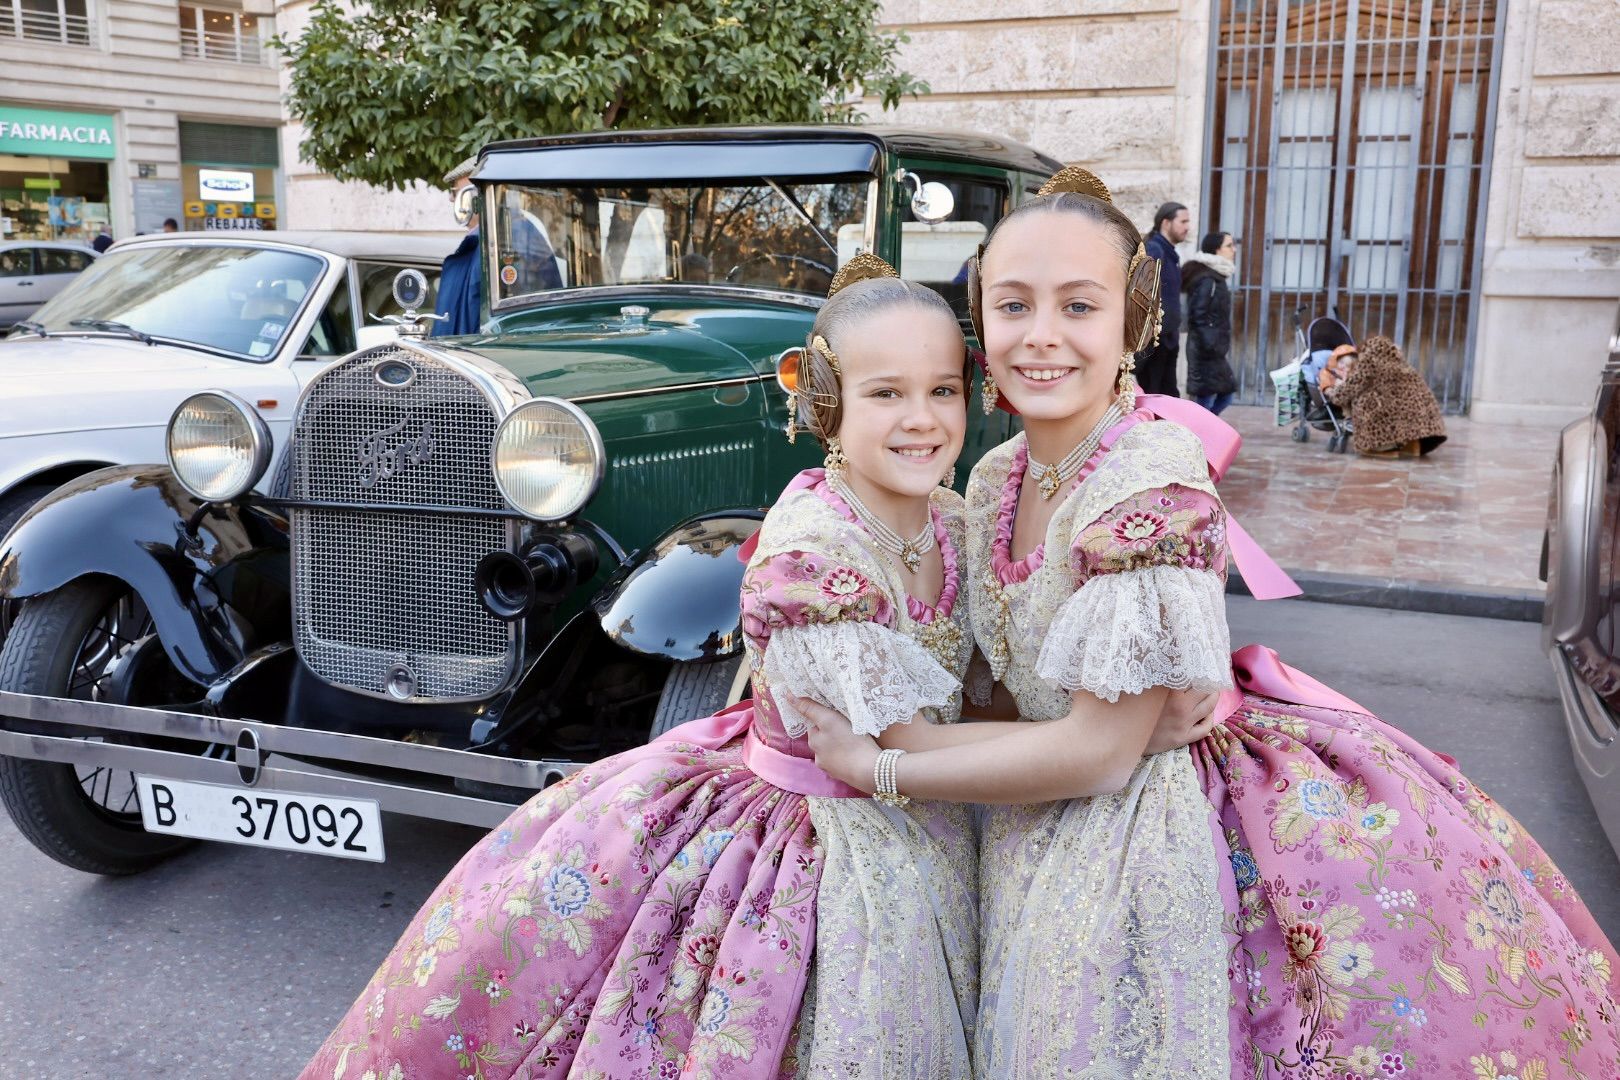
(93, 377)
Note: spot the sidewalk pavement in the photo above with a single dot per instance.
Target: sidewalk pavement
(1458, 531)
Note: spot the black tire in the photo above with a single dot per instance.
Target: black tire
(693, 691)
(1301, 434)
(48, 801)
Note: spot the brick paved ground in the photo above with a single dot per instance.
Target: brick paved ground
(1469, 514)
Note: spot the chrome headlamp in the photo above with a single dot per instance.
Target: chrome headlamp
(218, 446)
(548, 459)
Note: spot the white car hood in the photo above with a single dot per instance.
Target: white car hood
(58, 384)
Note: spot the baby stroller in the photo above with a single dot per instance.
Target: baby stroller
(1330, 336)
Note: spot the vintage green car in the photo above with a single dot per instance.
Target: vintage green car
(478, 562)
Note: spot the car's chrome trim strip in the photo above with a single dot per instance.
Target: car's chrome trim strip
(747, 380)
(76, 716)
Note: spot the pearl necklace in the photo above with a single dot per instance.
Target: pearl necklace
(910, 551)
(1052, 477)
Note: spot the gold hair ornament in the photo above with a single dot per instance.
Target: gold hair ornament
(863, 267)
(1080, 181)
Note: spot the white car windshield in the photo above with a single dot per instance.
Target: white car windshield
(237, 300)
(790, 235)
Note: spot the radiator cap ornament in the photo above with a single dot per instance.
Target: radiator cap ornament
(410, 293)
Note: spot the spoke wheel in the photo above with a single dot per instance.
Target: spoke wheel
(74, 643)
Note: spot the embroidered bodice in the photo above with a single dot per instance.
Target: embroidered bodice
(1126, 590)
(826, 616)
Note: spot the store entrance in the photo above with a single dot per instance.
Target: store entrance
(49, 198)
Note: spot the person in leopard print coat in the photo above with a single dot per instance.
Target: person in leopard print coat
(1392, 410)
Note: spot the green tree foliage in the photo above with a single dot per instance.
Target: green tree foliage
(401, 90)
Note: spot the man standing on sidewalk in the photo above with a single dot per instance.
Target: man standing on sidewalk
(461, 281)
(1156, 368)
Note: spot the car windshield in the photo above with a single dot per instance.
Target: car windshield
(788, 235)
(238, 300)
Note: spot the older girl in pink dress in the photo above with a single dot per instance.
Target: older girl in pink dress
(1310, 893)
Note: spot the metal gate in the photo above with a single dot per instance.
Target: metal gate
(1347, 151)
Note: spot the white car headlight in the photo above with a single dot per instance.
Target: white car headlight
(218, 446)
(548, 459)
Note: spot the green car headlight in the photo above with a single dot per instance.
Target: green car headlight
(548, 459)
(218, 446)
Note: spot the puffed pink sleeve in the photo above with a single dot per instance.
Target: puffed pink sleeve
(1149, 608)
(827, 632)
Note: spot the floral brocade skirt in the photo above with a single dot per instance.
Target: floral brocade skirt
(1364, 912)
(666, 913)
(1386, 918)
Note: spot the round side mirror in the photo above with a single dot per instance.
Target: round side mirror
(933, 203)
(466, 205)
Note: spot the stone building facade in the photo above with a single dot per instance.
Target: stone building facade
(1124, 87)
(1134, 90)
(119, 114)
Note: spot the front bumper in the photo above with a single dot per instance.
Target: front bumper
(422, 781)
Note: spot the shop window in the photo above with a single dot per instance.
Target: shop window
(66, 22)
(222, 34)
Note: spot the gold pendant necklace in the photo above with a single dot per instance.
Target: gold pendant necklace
(1051, 478)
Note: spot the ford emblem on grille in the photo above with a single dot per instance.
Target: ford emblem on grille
(382, 455)
(394, 373)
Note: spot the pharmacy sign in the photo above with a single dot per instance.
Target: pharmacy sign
(56, 134)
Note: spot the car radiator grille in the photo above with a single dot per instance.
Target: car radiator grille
(377, 592)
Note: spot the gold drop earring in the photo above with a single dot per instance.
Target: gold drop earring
(1126, 384)
(992, 392)
(793, 418)
(835, 459)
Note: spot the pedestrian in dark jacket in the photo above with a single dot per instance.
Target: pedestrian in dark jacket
(1206, 279)
(1156, 368)
(461, 279)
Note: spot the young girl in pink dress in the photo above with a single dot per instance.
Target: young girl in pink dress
(1310, 893)
(713, 905)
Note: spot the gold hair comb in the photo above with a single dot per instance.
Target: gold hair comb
(863, 267)
(1081, 181)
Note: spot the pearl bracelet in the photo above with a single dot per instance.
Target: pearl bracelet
(885, 788)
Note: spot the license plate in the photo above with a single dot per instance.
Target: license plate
(320, 824)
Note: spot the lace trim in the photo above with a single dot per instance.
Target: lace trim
(919, 611)
(979, 684)
(872, 674)
(1123, 633)
(1008, 571)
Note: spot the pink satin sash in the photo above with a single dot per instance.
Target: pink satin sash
(1265, 579)
(1258, 670)
(789, 772)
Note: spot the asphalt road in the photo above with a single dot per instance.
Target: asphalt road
(231, 962)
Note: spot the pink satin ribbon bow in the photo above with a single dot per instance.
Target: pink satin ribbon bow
(1265, 579)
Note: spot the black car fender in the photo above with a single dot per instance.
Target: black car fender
(215, 577)
(679, 598)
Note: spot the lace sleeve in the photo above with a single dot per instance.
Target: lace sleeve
(1156, 626)
(872, 674)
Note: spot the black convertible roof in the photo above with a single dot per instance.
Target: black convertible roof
(788, 150)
